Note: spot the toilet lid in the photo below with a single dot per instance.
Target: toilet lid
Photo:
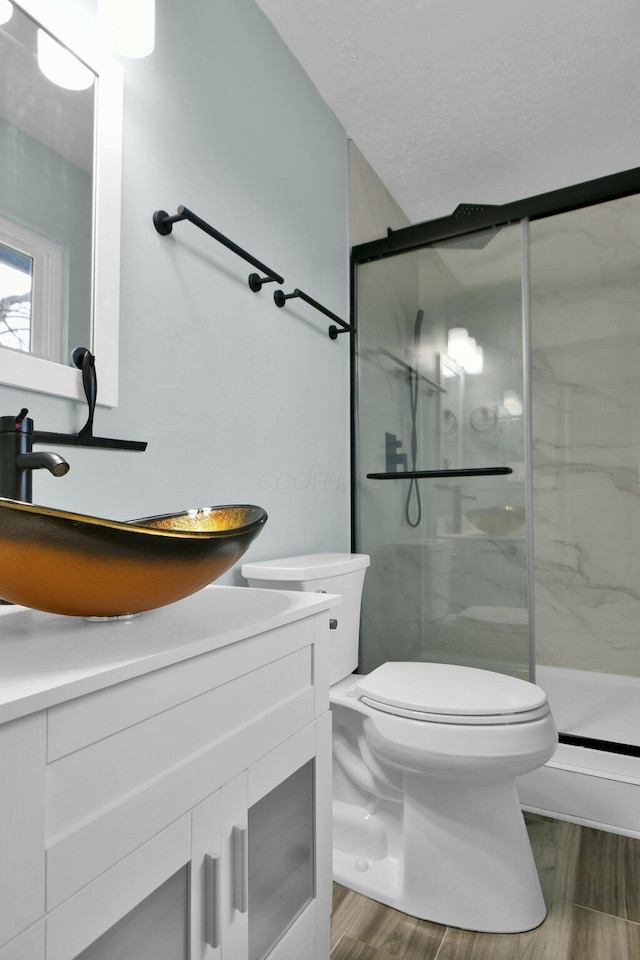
(447, 690)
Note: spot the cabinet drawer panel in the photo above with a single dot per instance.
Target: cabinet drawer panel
(22, 752)
(86, 916)
(77, 858)
(102, 774)
(87, 719)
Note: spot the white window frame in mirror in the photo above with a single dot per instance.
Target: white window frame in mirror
(46, 285)
(44, 376)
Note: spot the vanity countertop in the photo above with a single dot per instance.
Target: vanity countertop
(46, 659)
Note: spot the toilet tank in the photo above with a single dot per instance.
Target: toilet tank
(341, 573)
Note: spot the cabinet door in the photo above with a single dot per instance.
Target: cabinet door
(138, 908)
(219, 880)
(290, 847)
(206, 880)
(280, 859)
(155, 929)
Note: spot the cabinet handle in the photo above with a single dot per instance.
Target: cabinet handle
(212, 899)
(240, 869)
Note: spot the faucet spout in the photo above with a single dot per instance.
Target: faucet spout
(55, 464)
(17, 461)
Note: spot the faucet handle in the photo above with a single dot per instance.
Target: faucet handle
(86, 362)
(19, 423)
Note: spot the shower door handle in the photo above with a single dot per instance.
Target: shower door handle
(427, 474)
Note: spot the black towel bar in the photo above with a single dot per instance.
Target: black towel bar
(163, 223)
(281, 298)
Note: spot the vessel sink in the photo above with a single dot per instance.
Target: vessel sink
(83, 566)
(497, 520)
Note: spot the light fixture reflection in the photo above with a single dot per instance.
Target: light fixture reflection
(60, 66)
(128, 26)
(457, 341)
(464, 350)
(512, 403)
(6, 11)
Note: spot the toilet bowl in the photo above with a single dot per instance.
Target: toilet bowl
(425, 810)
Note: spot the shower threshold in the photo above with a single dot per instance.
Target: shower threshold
(607, 746)
(583, 782)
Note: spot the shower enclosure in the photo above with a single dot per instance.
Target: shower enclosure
(496, 485)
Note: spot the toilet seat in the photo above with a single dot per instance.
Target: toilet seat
(494, 718)
(446, 693)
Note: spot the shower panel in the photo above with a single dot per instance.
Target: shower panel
(440, 369)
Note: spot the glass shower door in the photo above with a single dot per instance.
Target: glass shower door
(440, 391)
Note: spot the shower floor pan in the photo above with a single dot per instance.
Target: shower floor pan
(589, 786)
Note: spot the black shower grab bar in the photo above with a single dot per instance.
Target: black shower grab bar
(281, 298)
(163, 222)
(426, 474)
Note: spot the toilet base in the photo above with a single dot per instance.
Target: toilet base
(464, 857)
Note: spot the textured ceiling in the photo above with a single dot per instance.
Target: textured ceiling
(475, 101)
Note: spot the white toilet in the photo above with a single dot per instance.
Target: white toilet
(426, 815)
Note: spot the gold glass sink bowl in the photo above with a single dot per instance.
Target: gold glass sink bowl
(82, 566)
(497, 520)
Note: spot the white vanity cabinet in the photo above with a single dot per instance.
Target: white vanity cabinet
(166, 784)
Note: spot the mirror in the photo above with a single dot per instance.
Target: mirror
(60, 157)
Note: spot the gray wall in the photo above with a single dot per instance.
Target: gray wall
(239, 401)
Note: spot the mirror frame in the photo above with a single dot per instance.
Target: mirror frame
(44, 376)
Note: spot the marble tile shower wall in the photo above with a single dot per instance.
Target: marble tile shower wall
(586, 441)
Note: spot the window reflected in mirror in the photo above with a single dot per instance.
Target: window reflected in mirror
(16, 276)
(31, 293)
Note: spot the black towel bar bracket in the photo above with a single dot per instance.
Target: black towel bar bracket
(281, 298)
(163, 222)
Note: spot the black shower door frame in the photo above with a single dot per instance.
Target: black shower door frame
(468, 218)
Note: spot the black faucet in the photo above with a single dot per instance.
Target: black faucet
(17, 461)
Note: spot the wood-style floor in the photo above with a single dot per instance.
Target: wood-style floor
(591, 884)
